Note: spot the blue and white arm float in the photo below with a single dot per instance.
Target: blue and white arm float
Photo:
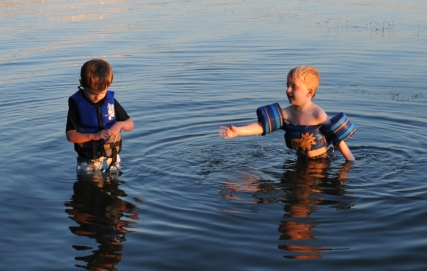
(271, 118)
(339, 129)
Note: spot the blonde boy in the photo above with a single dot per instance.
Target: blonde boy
(307, 126)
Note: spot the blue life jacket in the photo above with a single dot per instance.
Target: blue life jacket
(308, 138)
(305, 138)
(94, 118)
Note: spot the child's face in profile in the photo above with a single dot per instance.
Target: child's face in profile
(297, 91)
(95, 96)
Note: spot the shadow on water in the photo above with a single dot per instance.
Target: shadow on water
(101, 214)
(305, 187)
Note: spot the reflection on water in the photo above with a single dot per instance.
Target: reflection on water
(209, 63)
(308, 184)
(101, 215)
(303, 187)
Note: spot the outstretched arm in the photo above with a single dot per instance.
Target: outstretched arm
(345, 151)
(234, 131)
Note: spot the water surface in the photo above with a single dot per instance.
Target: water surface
(189, 200)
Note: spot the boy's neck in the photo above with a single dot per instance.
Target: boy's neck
(303, 107)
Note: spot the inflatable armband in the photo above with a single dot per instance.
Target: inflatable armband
(340, 128)
(271, 118)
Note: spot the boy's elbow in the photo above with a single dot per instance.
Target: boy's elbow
(68, 134)
(129, 125)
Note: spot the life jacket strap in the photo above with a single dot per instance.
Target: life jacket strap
(113, 159)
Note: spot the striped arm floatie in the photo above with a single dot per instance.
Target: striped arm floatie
(271, 117)
(340, 128)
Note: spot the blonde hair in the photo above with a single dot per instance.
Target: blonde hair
(308, 75)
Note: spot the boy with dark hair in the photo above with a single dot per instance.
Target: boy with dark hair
(95, 119)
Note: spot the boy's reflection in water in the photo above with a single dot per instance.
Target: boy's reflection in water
(304, 185)
(97, 208)
(308, 184)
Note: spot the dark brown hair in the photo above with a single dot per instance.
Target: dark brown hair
(96, 74)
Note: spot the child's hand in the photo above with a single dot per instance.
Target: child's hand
(115, 130)
(103, 134)
(227, 132)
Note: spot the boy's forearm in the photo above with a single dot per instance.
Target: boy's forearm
(249, 130)
(77, 137)
(345, 151)
(127, 125)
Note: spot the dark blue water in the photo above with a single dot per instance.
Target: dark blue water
(189, 200)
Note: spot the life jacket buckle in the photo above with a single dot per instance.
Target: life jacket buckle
(107, 146)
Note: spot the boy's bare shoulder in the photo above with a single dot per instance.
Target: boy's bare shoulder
(287, 113)
(319, 114)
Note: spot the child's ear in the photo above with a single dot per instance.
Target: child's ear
(310, 92)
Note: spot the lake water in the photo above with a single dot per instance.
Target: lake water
(187, 199)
